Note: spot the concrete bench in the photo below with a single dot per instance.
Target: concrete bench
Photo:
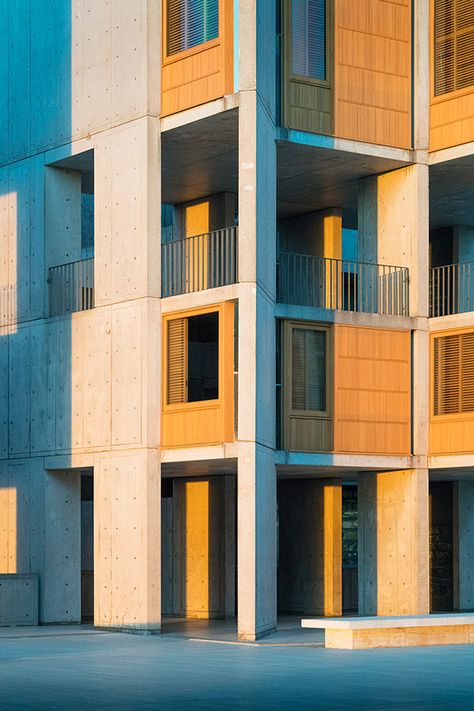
(402, 631)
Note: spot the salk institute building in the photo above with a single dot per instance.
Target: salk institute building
(236, 310)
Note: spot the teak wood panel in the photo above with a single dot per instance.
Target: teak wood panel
(192, 424)
(451, 114)
(201, 73)
(449, 434)
(372, 384)
(372, 71)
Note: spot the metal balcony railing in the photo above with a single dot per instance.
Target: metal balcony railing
(452, 289)
(71, 287)
(338, 284)
(201, 262)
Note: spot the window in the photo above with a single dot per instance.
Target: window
(454, 374)
(308, 369)
(454, 45)
(308, 38)
(190, 23)
(193, 359)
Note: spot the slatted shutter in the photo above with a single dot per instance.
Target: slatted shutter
(191, 23)
(176, 361)
(308, 369)
(454, 45)
(454, 374)
(308, 38)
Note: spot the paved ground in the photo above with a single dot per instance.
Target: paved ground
(76, 668)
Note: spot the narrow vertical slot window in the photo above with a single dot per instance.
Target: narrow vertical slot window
(308, 370)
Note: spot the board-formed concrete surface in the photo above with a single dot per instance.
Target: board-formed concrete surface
(81, 669)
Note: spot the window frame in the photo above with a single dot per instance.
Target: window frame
(290, 326)
(329, 47)
(178, 56)
(449, 96)
(195, 404)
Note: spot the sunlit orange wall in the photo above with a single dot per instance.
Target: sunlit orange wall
(372, 71)
(202, 73)
(371, 390)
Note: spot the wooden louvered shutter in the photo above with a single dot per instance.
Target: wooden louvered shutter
(467, 372)
(176, 361)
(308, 38)
(308, 369)
(190, 23)
(446, 375)
(454, 45)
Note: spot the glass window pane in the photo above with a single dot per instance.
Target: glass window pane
(308, 370)
(203, 357)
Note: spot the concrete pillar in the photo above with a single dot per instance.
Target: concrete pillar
(394, 543)
(464, 521)
(60, 583)
(393, 222)
(394, 229)
(310, 547)
(256, 489)
(421, 77)
(257, 545)
(127, 502)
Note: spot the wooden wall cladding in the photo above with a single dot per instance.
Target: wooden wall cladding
(451, 433)
(191, 424)
(452, 119)
(372, 71)
(372, 390)
(451, 113)
(202, 73)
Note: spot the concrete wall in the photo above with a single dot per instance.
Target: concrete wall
(310, 547)
(18, 600)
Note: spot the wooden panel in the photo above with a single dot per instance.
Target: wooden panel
(191, 424)
(372, 71)
(451, 114)
(202, 73)
(307, 105)
(371, 390)
(451, 433)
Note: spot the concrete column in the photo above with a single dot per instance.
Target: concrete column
(464, 508)
(394, 229)
(394, 543)
(127, 534)
(256, 497)
(256, 525)
(421, 77)
(60, 584)
(310, 547)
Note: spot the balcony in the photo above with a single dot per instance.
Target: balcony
(451, 289)
(341, 285)
(201, 262)
(71, 287)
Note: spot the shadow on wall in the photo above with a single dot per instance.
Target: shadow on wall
(37, 508)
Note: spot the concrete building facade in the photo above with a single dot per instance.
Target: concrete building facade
(236, 310)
